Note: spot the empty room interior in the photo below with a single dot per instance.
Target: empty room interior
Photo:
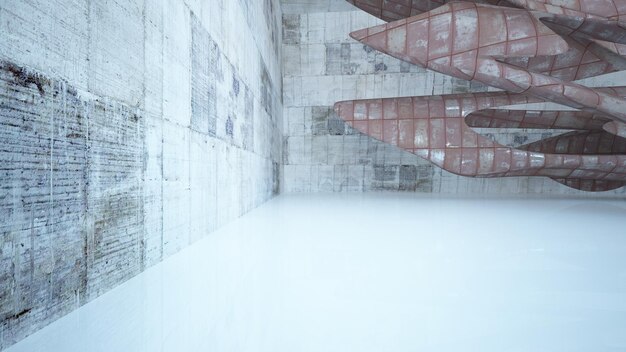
(312, 175)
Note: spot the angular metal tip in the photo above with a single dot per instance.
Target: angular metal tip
(359, 35)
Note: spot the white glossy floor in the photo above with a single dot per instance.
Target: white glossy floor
(376, 272)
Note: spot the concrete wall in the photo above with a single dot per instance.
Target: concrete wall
(128, 130)
(323, 65)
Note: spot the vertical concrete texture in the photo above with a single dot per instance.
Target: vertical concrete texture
(128, 130)
(322, 65)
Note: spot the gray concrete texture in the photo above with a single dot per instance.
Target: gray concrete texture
(323, 65)
(128, 130)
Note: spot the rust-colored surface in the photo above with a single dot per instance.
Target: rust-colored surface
(533, 56)
(434, 127)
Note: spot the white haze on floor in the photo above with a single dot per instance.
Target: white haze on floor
(376, 272)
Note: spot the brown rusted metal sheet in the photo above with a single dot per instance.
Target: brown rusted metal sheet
(532, 50)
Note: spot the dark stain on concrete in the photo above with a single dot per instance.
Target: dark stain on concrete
(379, 67)
(247, 128)
(206, 70)
(229, 127)
(276, 178)
(268, 93)
(70, 198)
(408, 178)
(272, 24)
(519, 139)
(385, 172)
(291, 29)
(25, 77)
(367, 49)
(235, 85)
(20, 314)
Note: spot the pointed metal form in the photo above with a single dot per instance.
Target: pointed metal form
(567, 120)
(392, 10)
(464, 40)
(532, 49)
(434, 128)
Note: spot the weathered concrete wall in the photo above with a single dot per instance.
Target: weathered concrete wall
(323, 65)
(128, 130)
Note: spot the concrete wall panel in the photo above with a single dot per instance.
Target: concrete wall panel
(128, 130)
